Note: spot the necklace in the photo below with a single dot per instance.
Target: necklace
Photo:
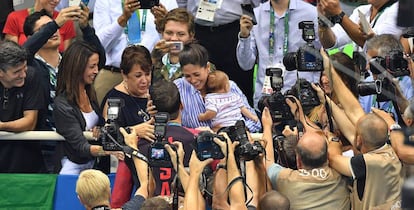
(145, 116)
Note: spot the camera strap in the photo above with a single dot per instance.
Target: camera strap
(272, 32)
(129, 152)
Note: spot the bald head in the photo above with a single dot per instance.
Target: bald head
(274, 200)
(373, 130)
(312, 149)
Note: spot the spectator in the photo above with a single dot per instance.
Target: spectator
(216, 29)
(176, 26)
(195, 66)
(110, 21)
(223, 107)
(377, 161)
(21, 99)
(5, 10)
(14, 24)
(270, 50)
(76, 109)
(42, 43)
(93, 189)
(381, 15)
(136, 68)
(329, 190)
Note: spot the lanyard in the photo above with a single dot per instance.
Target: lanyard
(272, 32)
(143, 20)
(381, 10)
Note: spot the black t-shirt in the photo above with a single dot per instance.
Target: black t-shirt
(21, 156)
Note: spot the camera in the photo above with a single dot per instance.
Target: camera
(307, 57)
(206, 148)
(158, 155)
(383, 87)
(148, 4)
(112, 139)
(245, 150)
(394, 63)
(306, 94)
(175, 45)
(276, 101)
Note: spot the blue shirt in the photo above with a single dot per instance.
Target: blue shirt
(257, 44)
(193, 103)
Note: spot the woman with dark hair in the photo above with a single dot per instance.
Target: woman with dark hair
(76, 109)
(193, 88)
(136, 66)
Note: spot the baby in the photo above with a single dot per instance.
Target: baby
(223, 107)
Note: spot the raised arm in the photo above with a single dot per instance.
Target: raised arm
(348, 101)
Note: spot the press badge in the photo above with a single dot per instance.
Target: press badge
(207, 8)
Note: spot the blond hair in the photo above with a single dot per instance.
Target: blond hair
(93, 187)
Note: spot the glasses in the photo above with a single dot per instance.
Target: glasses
(5, 98)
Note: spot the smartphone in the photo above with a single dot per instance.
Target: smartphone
(148, 4)
(366, 27)
(74, 2)
(176, 45)
(247, 9)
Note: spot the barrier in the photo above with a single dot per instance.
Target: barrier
(39, 191)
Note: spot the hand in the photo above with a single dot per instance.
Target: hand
(84, 17)
(130, 139)
(151, 109)
(289, 132)
(224, 144)
(319, 92)
(295, 107)
(118, 154)
(96, 132)
(159, 13)
(129, 7)
(173, 155)
(246, 26)
(330, 7)
(197, 166)
(145, 130)
(162, 47)
(69, 13)
(384, 115)
(266, 118)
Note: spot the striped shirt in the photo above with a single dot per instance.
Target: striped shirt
(194, 105)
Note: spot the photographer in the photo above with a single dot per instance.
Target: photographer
(386, 46)
(397, 136)
(329, 190)
(376, 170)
(269, 51)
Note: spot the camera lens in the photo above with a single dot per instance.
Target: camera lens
(290, 61)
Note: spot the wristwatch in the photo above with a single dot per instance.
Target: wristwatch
(337, 18)
(395, 127)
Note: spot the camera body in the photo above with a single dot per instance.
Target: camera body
(394, 63)
(206, 148)
(148, 4)
(307, 57)
(383, 87)
(158, 155)
(306, 95)
(245, 150)
(276, 101)
(110, 132)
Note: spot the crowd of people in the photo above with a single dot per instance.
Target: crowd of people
(190, 122)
